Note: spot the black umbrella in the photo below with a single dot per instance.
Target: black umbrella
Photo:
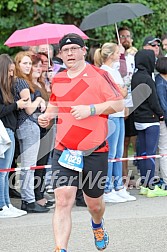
(113, 13)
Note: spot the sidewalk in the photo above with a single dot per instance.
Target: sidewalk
(132, 226)
(138, 226)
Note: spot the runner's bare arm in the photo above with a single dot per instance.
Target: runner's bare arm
(105, 108)
(109, 107)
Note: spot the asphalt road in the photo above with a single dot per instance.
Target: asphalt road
(139, 226)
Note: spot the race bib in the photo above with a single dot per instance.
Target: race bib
(71, 159)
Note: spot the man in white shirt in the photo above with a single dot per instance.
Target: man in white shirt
(125, 36)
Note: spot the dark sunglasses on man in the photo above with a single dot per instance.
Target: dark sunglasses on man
(154, 45)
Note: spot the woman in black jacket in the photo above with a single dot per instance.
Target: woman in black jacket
(147, 113)
(8, 108)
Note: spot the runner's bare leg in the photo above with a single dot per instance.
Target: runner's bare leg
(96, 207)
(64, 197)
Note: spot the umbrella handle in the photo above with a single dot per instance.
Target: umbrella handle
(116, 27)
(48, 53)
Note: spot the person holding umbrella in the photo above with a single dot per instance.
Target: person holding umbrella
(82, 97)
(125, 36)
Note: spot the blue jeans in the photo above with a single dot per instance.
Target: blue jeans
(6, 162)
(148, 143)
(115, 139)
(29, 140)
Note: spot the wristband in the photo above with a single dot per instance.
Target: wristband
(92, 109)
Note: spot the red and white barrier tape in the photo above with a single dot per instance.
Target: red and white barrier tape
(26, 168)
(109, 160)
(136, 158)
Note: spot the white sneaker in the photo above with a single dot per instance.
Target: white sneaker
(6, 213)
(113, 197)
(125, 195)
(16, 210)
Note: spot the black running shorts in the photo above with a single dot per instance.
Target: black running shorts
(93, 178)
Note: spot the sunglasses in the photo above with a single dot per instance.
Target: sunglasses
(154, 45)
(125, 36)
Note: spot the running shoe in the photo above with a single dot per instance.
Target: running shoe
(125, 195)
(60, 250)
(113, 197)
(157, 192)
(6, 213)
(16, 210)
(101, 237)
(143, 190)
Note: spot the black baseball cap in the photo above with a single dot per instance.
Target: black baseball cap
(150, 39)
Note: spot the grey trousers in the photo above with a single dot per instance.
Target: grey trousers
(29, 140)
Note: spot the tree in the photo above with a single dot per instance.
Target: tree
(18, 14)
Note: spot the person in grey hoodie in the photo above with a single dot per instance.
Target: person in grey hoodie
(147, 113)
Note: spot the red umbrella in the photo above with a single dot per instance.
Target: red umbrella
(42, 34)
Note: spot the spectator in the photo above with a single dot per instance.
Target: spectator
(164, 43)
(57, 61)
(91, 52)
(107, 57)
(26, 128)
(45, 136)
(47, 70)
(152, 43)
(46, 48)
(161, 87)
(147, 115)
(125, 36)
(8, 110)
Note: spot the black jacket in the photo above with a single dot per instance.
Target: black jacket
(145, 99)
(8, 114)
